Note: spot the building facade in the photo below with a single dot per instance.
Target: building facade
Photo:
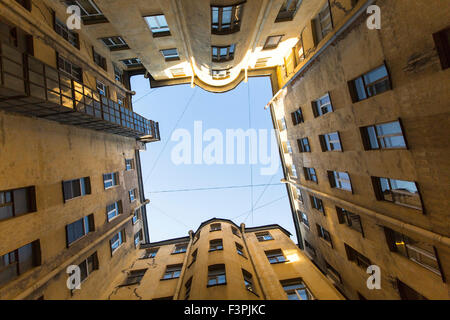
(71, 190)
(222, 261)
(362, 125)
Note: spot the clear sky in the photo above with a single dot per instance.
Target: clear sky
(173, 214)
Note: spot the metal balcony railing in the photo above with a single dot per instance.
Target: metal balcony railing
(29, 86)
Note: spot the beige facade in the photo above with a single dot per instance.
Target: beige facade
(70, 172)
(198, 268)
(388, 165)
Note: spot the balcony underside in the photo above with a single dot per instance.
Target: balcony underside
(32, 88)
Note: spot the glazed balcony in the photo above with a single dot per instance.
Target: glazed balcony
(31, 87)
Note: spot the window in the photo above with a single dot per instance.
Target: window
(129, 164)
(333, 274)
(150, 253)
(69, 35)
(170, 54)
(442, 42)
(330, 142)
(272, 42)
(400, 192)
(221, 54)
(293, 171)
(299, 194)
(297, 117)
(113, 210)
(239, 249)
(14, 203)
(117, 240)
(350, 219)
(226, 19)
(296, 290)
(79, 229)
(322, 106)
(70, 69)
(187, 287)
(158, 25)
(76, 188)
(132, 194)
(282, 124)
(99, 60)
(340, 180)
(303, 145)
(138, 238)
(102, 89)
(220, 74)
(408, 293)
(323, 23)
(25, 3)
(310, 174)
(115, 43)
(88, 266)
(216, 275)
(90, 13)
(370, 84)
(317, 204)
(19, 261)
(383, 136)
(324, 234)
(196, 237)
(287, 148)
(136, 216)
(248, 281)
(215, 245)
(134, 277)
(215, 227)
(288, 10)
(264, 236)
(180, 248)
(172, 272)
(275, 256)
(110, 180)
(235, 231)
(118, 74)
(421, 253)
(310, 248)
(358, 258)
(194, 256)
(132, 63)
(303, 218)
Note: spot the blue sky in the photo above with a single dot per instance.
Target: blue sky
(171, 215)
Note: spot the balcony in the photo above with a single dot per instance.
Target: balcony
(30, 87)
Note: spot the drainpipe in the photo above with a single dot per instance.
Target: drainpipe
(251, 261)
(176, 296)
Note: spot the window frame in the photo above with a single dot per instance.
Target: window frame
(276, 254)
(310, 174)
(353, 86)
(376, 182)
(365, 136)
(215, 245)
(118, 209)
(216, 272)
(84, 189)
(336, 180)
(352, 220)
(297, 117)
(172, 271)
(229, 56)
(317, 203)
(30, 201)
(158, 34)
(183, 247)
(261, 236)
(324, 234)
(121, 239)
(302, 148)
(170, 57)
(301, 286)
(235, 24)
(358, 258)
(288, 14)
(62, 30)
(114, 180)
(134, 277)
(328, 144)
(116, 43)
(99, 60)
(442, 43)
(88, 224)
(272, 46)
(76, 72)
(317, 106)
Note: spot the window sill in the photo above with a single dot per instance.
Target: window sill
(279, 262)
(253, 292)
(211, 250)
(178, 252)
(215, 285)
(162, 279)
(161, 34)
(243, 256)
(215, 230)
(305, 225)
(172, 59)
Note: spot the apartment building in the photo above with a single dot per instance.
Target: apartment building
(361, 116)
(222, 261)
(362, 121)
(71, 190)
